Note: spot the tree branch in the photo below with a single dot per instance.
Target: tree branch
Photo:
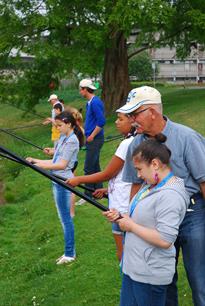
(138, 51)
(148, 46)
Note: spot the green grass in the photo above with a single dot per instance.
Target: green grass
(30, 233)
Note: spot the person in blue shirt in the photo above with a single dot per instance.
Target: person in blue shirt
(144, 106)
(94, 132)
(64, 158)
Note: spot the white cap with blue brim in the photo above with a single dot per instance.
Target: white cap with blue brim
(140, 96)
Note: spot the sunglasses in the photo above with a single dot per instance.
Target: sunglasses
(134, 114)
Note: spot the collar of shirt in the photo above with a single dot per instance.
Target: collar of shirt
(88, 103)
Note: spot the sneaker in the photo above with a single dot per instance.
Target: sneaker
(80, 202)
(64, 260)
(59, 258)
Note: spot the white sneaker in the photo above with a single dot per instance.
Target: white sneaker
(80, 202)
(65, 259)
(60, 258)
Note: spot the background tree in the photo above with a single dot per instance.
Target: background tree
(94, 38)
(140, 66)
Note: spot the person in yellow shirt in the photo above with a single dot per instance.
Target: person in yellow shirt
(55, 134)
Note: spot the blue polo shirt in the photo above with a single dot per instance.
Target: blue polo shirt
(95, 116)
(187, 156)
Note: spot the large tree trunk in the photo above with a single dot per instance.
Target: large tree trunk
(116, 83)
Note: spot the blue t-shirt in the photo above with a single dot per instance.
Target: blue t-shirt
(94, 116)
(187, 156)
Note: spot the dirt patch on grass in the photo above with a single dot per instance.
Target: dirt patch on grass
(2, 200)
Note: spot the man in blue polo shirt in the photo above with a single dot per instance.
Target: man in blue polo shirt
(187, 147)
(94, 133)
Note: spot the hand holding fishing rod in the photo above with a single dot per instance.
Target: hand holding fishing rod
(12, 156)
(49, 151)
(57, 176)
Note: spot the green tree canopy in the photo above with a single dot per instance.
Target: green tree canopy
(140, 66)
(93, 37)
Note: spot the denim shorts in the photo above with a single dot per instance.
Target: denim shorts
(116, 229)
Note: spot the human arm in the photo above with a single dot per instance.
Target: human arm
(99, 193)
(112, 214)
(48, 164)
(49, 120)
(49, 151)
(112, 169)
(91, 137)
(150, 235)
(35, 160)
(202, 187)
(98, 112)
(193, 159)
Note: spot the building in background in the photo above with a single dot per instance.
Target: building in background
(172, 69)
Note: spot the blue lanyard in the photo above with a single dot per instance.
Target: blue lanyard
(57, 152)
(144, 191)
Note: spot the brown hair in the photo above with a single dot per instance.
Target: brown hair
(153, 148)
(79, 131)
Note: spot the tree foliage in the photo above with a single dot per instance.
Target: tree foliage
(93, 37)
(140, 67)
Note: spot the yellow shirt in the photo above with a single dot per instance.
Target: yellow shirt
(55, 134)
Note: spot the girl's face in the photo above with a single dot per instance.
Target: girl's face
(123, 124)
(145, 171)
(57, 111)
(63, 127)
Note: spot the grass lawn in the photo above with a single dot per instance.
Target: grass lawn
(30, 233)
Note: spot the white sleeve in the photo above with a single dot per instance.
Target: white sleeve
(121, 151)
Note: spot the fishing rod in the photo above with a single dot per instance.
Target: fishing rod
(24, 127)
(114, 138)
(51, 177)
(57, 176)
(83, 148)
(20, 138)
(27, 141)
(24, 110)
(80, 185)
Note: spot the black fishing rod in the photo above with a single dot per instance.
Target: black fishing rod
(83, 148)
(114, 138)
(80, 185)
(20, 138)
(52, 178)
(57, 176)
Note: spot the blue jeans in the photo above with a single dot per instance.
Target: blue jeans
(62, 201)
(92, 161)
(191, 240)
(116, 229)
(140, 294)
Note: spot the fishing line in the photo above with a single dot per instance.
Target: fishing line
(53, 178)
(20, 138)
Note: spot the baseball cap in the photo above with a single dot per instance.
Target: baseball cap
(52, 97)
(87, 83)
(138, 97)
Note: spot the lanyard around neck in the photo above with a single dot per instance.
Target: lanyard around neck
(145, 190)
(59, 145)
